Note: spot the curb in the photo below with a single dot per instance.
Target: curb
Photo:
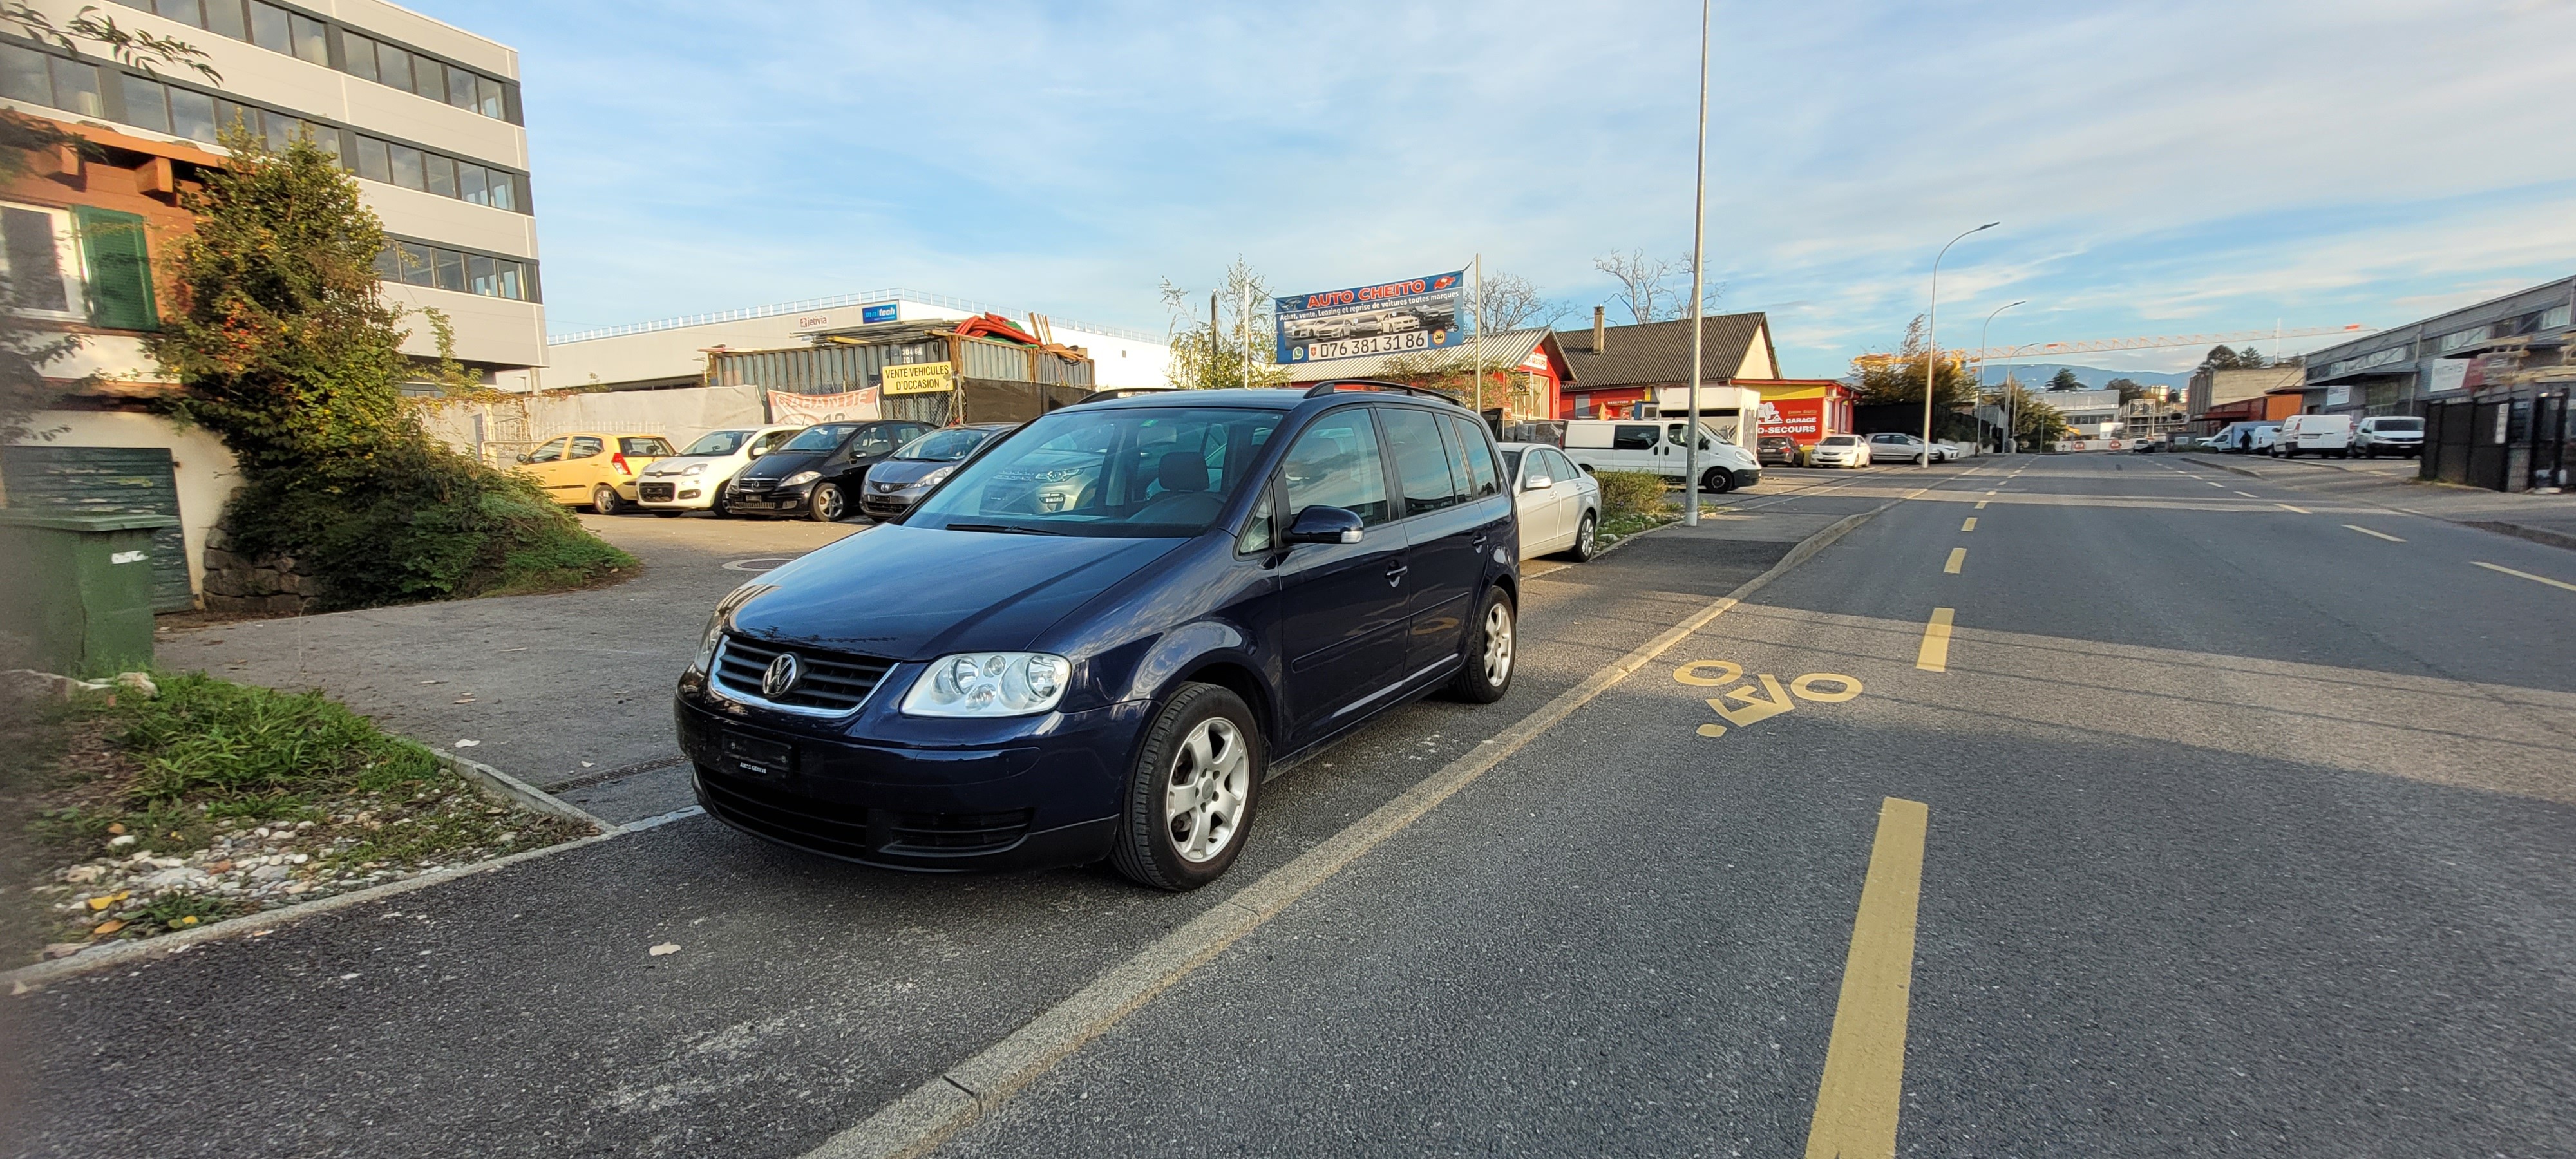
(512, 790)
(922, 1118)
(2518, 531)
(2229, 467)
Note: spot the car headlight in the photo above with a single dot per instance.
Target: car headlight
(800, 478)
(989, 684)
(722, 619)
(933, 478)
(694, 469)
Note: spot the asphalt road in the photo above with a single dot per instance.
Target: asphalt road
(2244, 832)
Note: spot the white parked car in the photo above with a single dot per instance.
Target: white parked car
(1839, 451)
(694, 479)
(2320, 435)
(1559, 505)
(1657, 447)
(1892, 447)
(2389, 435)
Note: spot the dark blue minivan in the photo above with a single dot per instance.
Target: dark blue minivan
(1094, 637)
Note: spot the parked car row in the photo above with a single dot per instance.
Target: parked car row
(1851, 450)
(2336, 435)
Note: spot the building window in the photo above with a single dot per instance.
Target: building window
(416, 263)
(309, 38)
(43, 260)
(2554, 317)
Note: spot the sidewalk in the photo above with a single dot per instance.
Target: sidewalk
(2391, 483)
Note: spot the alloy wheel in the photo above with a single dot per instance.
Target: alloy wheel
(1498, 644)
(1203, 799)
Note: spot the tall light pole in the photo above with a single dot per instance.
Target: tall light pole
(1699, 266)
(1932, 345)
(1982, 333)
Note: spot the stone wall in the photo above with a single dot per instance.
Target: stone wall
(266, 584)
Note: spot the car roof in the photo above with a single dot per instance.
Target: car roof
(1288, 398)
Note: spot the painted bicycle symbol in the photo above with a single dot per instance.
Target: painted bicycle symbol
(1763, 697)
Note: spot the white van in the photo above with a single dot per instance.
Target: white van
(1648, 445)
(2238, 438)
(2389, 435)
(2322, 434)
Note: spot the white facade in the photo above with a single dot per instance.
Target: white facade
(676, 349)
(461, 148)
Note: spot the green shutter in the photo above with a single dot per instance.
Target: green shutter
(119, 267)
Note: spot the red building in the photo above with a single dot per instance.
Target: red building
(1614, 368)
(1802, 409)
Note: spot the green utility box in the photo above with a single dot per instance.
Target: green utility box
(76, 590)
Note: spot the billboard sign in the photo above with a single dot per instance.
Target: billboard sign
(1416, 314)
(786, 407)
(880, 313)
(919, 378)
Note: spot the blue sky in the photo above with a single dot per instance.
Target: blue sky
(2158, 168)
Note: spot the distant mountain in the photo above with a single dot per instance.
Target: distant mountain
(2035, 375)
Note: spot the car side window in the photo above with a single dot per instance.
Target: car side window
(1335, 463)
(583, 447)
(1262, 529)
(644, 446)
(873, 442)
(1559, 467)
(1482, 477)
(771, 441)
(1421, 461)
(548, 453)
(1638, 437)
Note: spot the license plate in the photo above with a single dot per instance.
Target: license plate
(756, 757)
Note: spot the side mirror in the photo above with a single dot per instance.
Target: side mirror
(1321, 524)
(524, 457)
(757, 450)
(1537, 483)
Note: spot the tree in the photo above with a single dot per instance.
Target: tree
(2129, 388)
(2065, 379)
(285, 348)
(1645, 284)
(1209, 352)
(1511, 302)
(2034, 421)
(1879, 381)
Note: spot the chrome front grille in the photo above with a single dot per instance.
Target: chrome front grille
(833, 683)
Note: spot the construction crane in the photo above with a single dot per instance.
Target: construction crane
(2099, 345)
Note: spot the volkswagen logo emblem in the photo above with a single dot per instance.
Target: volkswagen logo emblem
(782, 676)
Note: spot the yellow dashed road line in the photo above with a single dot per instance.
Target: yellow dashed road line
(1970, 525)
(1934, 655)
(1863, 1085)
(2539, 579)
(1958, 556)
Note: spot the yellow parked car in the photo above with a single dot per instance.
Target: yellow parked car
(593, 469)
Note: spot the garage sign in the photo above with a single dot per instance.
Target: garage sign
(1388, 318)
(920, 378)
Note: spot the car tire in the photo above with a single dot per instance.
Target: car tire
(604, 500)
(1716, 481)
(1491, 658)
(716, 508)
(826, 505)
(1587, 543)
(1202, 755)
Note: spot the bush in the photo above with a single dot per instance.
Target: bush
(1631, 493)
(419, 523)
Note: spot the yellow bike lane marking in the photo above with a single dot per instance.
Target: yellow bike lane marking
(1864, 1082)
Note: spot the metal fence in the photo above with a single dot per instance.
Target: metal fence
(2502, 444)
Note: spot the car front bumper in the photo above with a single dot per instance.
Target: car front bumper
(901, 793)
(877, 504)
(675, 493)
(775, 500)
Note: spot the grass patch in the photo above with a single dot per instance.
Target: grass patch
(132, 816)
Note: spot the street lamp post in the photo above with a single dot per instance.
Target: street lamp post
(1699, 263)
(1932, 344)
(2011, 442)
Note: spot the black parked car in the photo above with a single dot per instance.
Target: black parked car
(899, 482)
(817, 473)
(1092, 639)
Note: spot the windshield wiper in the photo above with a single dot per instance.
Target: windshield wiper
(1003, 528)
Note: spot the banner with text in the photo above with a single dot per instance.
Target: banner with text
(920, 378)
(1388, 318)
(823, 408)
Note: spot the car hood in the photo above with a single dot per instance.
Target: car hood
(780, 464)
(903, 472)
(904, 593)
(678, 463)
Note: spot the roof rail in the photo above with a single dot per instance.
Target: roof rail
(1335, 385)
(1119, 392)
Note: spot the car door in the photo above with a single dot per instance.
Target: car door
(1567, 491)
(1444, 538)
(585, 462)
(1343, 611)
(542, 463)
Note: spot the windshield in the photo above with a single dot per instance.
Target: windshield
(1840, 440)
(717, 443)
(944, 446)
(2397, 424)
(1146, 472)
(1511, 463)
(821, 438)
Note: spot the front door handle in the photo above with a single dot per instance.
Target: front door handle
(1395, 573)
